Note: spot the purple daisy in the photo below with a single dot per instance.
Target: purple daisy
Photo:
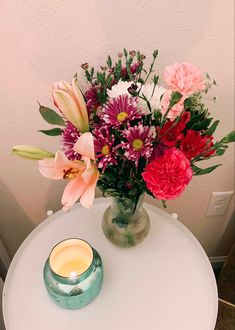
(92, 102)
(103, 144)
(70, 136)
(120, 110)
(91, 97)
(139, 142)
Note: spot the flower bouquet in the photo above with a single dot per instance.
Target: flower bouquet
(128, 135)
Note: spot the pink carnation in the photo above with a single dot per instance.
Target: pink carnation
(184, 78)
(167, 176)
(175, 110)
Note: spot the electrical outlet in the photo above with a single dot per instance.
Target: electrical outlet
(219, 203)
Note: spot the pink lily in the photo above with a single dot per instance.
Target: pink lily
(82, 175)
(69, 100)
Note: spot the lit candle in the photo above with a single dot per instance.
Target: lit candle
(73, 273)
(71, 258)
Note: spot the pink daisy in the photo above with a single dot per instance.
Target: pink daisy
(103, 143)
(69, 138)
(120, 110)
(139, 143)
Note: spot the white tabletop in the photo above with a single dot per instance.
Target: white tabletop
(165, 283)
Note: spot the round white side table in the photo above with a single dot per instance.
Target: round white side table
(165, 283)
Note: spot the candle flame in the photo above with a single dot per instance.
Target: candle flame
(73, 274)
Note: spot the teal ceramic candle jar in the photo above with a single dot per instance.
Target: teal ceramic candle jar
(73, 273)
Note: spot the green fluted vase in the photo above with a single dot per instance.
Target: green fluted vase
(126, 222)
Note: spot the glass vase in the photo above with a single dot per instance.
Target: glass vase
(125, 222)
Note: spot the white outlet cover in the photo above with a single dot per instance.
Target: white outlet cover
(219, 203)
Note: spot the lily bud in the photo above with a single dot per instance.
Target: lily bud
(31, 152)
(68, 98)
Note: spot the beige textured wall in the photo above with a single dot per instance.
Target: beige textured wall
(45, 41)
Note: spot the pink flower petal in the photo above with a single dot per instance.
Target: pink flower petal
(88, 195)
(85, 145)
(53, 168)
(80, 188)
(78, 97)
(87, 161)
(69, 108)
(72, 192)
(184, 78)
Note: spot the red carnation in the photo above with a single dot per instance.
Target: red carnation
(167, 176)
(169, 136)
(192, 144)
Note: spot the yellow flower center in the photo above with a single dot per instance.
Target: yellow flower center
(71, 173)
(105, 150)
(137, 144)
(122, 116)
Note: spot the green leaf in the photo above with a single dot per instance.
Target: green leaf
(109, 79)
(212, 128)
(194, 120)
(175, 98)
(118, 70)
(202, 171)
(109, 62)
(155, 53)
(139, 68)
(201, 125)
(92, 73)
(157, 114)
(125, 52)
(51, 116)
(141, 81)
(128, 67)
(187, 103)
(229, 137)
(220, 152)
(155, 80)
(52, 132)
(87, 74)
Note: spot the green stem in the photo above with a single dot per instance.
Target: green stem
(151, 68)
(154, 87)
(136, 202)
(203, 153)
